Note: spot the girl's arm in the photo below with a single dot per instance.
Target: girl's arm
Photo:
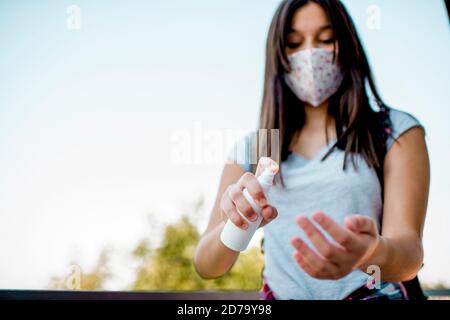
(407, 176)
(398, 251)
(212, 258)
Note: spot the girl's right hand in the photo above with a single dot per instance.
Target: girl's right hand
(233, 198)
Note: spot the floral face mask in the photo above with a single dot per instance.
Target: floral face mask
(314, 77)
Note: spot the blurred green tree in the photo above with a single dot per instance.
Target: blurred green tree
(170, 266)
(77, 279)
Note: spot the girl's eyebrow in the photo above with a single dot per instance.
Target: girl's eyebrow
(326, 27)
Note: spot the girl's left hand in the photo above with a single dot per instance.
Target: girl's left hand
(354, 245)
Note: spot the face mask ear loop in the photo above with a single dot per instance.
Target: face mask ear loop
(335, 55)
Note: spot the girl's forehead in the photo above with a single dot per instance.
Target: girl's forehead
(310, 18)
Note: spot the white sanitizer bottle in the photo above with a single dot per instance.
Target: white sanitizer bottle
(238, 239)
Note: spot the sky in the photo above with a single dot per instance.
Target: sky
(92, 119)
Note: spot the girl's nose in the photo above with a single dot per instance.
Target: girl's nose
(309, 43)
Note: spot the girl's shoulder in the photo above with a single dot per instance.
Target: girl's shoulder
(241, 152)
(401, 122)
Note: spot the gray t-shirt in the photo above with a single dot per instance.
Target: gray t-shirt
(311, 186)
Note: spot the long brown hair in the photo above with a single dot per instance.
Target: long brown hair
(358, 127)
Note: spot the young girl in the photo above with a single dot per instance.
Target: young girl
(351, 195)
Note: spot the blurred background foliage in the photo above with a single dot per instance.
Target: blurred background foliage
(92, 280)
(169, 265)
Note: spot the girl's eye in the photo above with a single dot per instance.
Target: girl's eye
(328, 41)
(293, 45)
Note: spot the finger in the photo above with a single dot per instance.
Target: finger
(311, 257)
(269, 213)
(255, 190)
(361, 224)
(325, 248)
(319, 268)
(298, 256)
(303, 264)
(241, 203)
(230, 211)
(337, 232)
(266, 163)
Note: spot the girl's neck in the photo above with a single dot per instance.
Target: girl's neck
(317, 119)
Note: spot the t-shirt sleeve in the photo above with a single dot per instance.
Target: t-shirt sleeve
(241, 152)
(401, 123)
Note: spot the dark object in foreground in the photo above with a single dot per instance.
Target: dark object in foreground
(146, 295)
